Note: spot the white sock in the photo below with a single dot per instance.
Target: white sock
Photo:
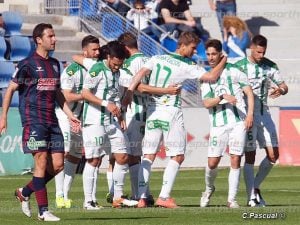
(134, 178)
(249, 180)
(70, 170)
(88, 181)
(210, 176)
(59, 184)
(144, 176)
(119, 179)
(110, 181)
(233, 183)
(263, 170)
(169, 178)
(96, 177)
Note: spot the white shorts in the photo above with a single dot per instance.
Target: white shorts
(165, 124)
(231, 135)
(263, 131)
(94, 138)
(72, 141)
(135, 133)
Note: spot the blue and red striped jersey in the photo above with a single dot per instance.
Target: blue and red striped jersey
(38, 79)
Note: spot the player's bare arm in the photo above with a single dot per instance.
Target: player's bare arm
(172, 89)
(71, 96)
(212, 102)
(281, 89)
(250, 102)
(215, 73)
(90, 97)
(12, 87)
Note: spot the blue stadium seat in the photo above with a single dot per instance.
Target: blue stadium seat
(20, 47)
(74, 7)
(6, 71)
(169, 44)
(149, 46)
(112, 26)
(3, 48)
(12, 23)
(201, 51)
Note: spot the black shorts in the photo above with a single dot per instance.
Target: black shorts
(42, 137)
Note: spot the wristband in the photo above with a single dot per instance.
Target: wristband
(283, 92)
(104, 103)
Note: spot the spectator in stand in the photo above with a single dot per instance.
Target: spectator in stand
(119, 6)
(2, 30)
(223, 8)
(140, 15)
(236, 37)
(176, 17)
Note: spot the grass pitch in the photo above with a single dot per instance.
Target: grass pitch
(281, 190)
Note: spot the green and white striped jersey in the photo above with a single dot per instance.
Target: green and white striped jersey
(105, 85)
(72, 79)
(231, 82)
(261, 76)
(170, 69)
(133, 64)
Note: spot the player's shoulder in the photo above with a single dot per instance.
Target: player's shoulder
(97, 68)
(73, 68)
(182, 59)
(269, 63)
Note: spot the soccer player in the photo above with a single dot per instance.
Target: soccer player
(229, 121)
(264, 77)
(37, 80)
(164, 114)
(71, 83)
(102, 106)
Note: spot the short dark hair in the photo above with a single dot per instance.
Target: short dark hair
(88, 40)
(103, 52)
(38, 30)
(259, 40)
(214, 43)
(117, 49)
(188, 37)
(128, 39)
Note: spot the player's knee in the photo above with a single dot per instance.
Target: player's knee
(121, 159)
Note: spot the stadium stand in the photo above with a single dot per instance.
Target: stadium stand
(3, 48)
(12, 22)
(7, 69)
(20, 47)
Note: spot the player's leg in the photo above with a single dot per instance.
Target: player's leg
(119, 150)
(218, 139)
(237, 135)
(250, 152)
(110, 180)
(92, 142)
(267, 139)
(64, 125)
(175, 145)
(135, 133)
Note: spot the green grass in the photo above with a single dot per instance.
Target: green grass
(281, 190)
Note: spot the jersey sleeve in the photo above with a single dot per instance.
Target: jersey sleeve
(67, 81)
(194, 71)
(88, 63)
(242, 78)
(206, 91)
(276, 76)
(150, 63)
(20, 74)
(125, 78)
(92, 78)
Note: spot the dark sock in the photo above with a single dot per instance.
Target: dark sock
(39, 185)
(28, 189)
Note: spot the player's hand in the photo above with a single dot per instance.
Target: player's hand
(248, 122)
(115, 110)
(275, 92)
(75, 124)
(174, 89)
(230, 99)
(3, 125)
(127, 99)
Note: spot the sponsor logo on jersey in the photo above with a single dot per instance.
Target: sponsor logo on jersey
(47, 84)
(39, 69)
